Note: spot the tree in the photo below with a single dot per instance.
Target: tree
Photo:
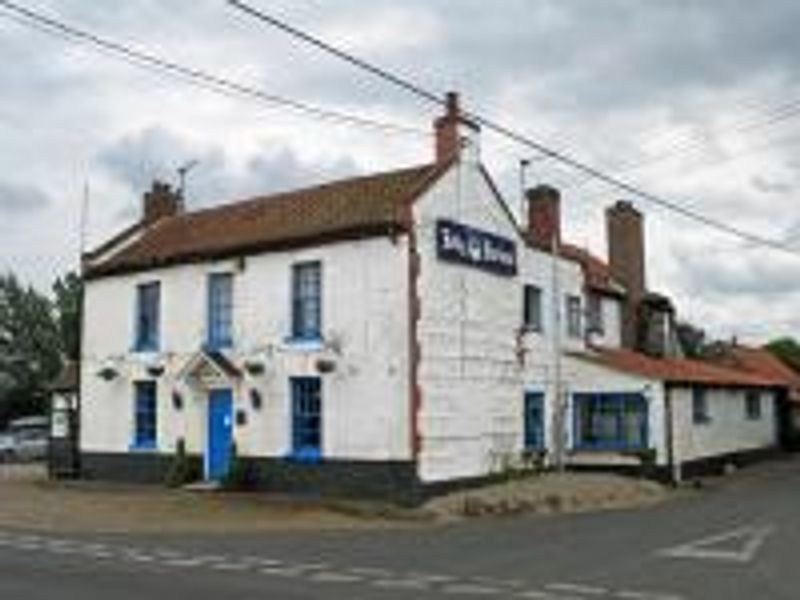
(68, 291)
(30, 349)
(691, 338)
(787, 349)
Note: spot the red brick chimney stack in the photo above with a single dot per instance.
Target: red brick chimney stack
(544, 216)
(626, 260)
(446, 129)
(160, 202)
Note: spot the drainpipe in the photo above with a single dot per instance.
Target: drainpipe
(560, 400)
(674, 463)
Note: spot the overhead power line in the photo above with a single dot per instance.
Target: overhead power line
(700, 147)
(506, 131)
(48, 24)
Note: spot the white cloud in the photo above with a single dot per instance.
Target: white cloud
(613, 83)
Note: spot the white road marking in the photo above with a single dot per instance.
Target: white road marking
(185, 562)
(403, 584)
(512, 583)
(324, 573)
(574, 588)
(281, 571)
(334, 577)
(749, 541)
(229, 566)
(429, 577)
(470, 589)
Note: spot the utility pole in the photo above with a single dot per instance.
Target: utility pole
(559, 419)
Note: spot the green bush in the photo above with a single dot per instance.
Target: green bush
(182, 469)
(240, 476)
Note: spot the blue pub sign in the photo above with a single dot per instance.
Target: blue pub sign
(473, 247)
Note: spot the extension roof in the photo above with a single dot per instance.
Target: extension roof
(762, 362)
(675, 370)
(596, 271)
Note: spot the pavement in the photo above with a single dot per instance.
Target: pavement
(736, 540)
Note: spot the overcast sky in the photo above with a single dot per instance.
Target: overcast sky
(689, 99)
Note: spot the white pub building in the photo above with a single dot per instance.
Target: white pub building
(391, 335)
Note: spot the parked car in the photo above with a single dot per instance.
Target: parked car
(6, 447)
(30, 438)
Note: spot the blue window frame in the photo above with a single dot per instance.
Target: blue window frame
(220, 311)
(701, 414)
(148, 317)
(532, 308)
(307, 301)
(574, 317)
(306, 418)
(610, 421)
(534, 421)
(145, 415)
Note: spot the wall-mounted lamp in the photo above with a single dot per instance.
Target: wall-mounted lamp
(177, 400)
(255, 368)
(255, 399)
(325, 365)
(155, 370)
(108, 373)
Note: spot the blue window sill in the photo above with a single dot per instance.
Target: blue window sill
(306, 456)
(217, 346)
(309, 343)
(142, 447)
(145, 349)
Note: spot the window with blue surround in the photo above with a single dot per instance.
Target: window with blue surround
(307, 301)
(610, 421)
(574, 317)
(306, 418)
(145, 415)
(532, 308)
(220, 311)
(148, 317)
(700, 411)
(752, 403)
(534, 421)
(595, 315)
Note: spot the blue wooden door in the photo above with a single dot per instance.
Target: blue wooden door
(220, 434)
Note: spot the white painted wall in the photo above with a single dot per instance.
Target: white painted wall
(611, 336)
(475, 363)
(365, 308)
(729, 429)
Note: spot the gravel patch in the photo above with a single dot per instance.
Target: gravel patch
(551, 493)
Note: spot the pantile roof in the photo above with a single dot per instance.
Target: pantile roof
(347, 209)
(675, 370)
(595, 270)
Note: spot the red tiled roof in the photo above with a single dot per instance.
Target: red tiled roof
(761, 362)
(675, 370)
(348, 209)
(595, 270)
